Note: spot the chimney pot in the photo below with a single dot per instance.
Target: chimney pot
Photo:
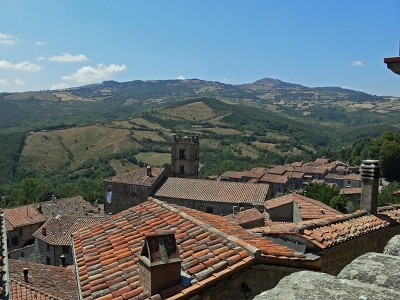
(63, 264)
(44, 232)
(370, 174)
(148, 169)
(234, 210)
(25, 271)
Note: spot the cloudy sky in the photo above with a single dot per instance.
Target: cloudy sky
(58, 44)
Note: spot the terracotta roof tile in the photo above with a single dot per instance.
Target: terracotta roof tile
(137, 177)
(309, 208)
(226, 243)
(247, 217)
(350, 191)
(60, 228)
(328, 232)
(45, 282)
(274, 178)
(22, 216)
(215, 191)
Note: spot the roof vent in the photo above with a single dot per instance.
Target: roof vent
(148, 170)
(322, 211)
(159, 262)
(44, 232)
(25, 271)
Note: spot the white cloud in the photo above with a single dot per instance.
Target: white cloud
(180, 77)
(40, 43)
(40, 58)
(8, 39)
(59, 86)
(19, 82)
(93, 74)
(67, 57)
(25, 66)
(357, 63)
(4, 82)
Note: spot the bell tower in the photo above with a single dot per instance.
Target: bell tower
(185, 156)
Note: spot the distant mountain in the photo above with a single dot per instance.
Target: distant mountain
(112, 100)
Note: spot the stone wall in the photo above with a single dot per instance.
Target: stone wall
(216, 208)
(125, 196)
(336, 258)
(22, 235)
(370, 276)
(247, 283)
(51, 255)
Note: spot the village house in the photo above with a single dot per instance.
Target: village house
(53, 238)
(247, 219)
(129, 189)
(344, 181)
(216, 197)
(296, 208)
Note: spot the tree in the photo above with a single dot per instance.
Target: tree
(385, 197)
(389, 156)
(321, 192)
(339, 203)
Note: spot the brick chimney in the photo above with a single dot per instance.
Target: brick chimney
(159, 262)
(370, 173)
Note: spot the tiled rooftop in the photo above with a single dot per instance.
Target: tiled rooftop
(350, 191)
(274, 178)
(215, 191)
(24, 291)
(22, 216)
(137, 177)
(68, 206)
(209, 247)
(44, 281)
(60, 228)
(331, 231)
(309, 208)
(247, 217)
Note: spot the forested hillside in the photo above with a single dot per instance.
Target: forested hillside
(65, 142)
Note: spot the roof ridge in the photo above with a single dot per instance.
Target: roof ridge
(254, 251)
(312, 224)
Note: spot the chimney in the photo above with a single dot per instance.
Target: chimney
(84, 207)
(234, 210)
(25, 271)
(148, 169)
(370, 173)
(63, 264)
(44, 233)
(159, 262)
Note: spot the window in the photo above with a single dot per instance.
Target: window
(134, 192)
(209, 210)
(182, 153)
(182, 169)
(19, 231)
(109, 194)
(65, 249)
(48, 260)
(47, 246)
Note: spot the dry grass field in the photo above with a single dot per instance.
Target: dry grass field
(154, 158)
(50, 150)
(140, 135)
(144, 122)
(122, 165)
(193, 111)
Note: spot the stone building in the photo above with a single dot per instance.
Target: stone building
(216, 197)
(53, 238)
(129, 189)
(185, 157)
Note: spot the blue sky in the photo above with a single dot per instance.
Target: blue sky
(59, 44)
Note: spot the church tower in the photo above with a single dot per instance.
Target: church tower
(185, 157)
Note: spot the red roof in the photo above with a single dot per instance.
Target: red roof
(328, 232)
(60, 228)
(45, 281)
(273, 178)
(246, 217)
(350, 191)
(209, 247)
(137, 177)
(213, 191)
(309, 208)
(22, 216)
